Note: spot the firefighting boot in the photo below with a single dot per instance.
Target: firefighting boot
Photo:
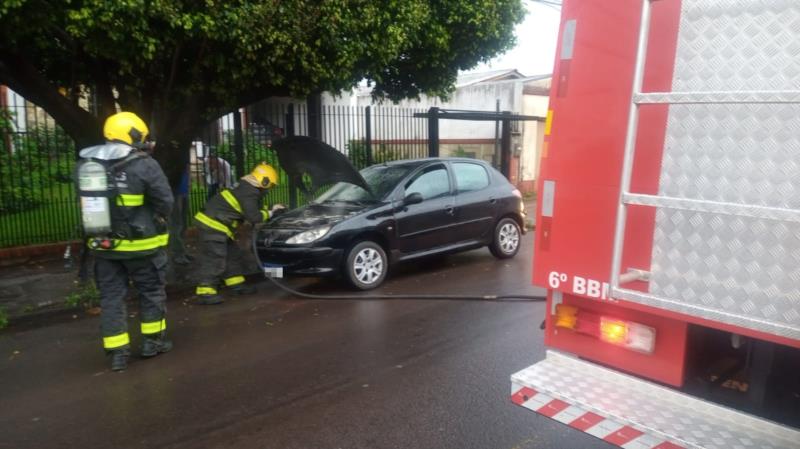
(244, 289)
(153, 345)
(119, 359)
(207, 300)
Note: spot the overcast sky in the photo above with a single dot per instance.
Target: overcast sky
(536, 43)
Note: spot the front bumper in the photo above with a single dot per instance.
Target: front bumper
(301, 261)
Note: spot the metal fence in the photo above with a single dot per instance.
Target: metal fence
(366, 135)
(37, 197)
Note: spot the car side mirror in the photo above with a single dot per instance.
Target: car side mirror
(414, 198)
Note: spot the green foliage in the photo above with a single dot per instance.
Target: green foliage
(357, 153)
(56, 219)
(461, 152)
(254, 152)
(22, 194)
(31, 164)
(388, 153)
(87, 296)
(6, 123)
(181, 63)
(3, 318)
(209, 53)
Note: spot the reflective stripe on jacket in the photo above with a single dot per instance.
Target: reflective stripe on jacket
(148, 244)
(130, 200)
(139, 210)
(227, 209)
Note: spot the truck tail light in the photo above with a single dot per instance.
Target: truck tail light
(613, 331)
(566, 316)
(638, 337)
(628, 334)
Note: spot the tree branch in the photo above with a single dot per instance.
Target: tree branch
(21, 75)
(254, 95)
(172, 71)
(104, 91)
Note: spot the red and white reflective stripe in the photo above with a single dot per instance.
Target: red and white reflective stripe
(602, 427)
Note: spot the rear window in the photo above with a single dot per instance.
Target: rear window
(470, 177)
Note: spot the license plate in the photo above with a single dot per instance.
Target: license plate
(273, 271)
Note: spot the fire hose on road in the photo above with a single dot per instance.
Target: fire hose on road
(511, 297)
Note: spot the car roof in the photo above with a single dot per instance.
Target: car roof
(422, 161)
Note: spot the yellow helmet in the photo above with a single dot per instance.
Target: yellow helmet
(265, 175)
(125, 127)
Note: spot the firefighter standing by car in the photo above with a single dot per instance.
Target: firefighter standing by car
(125, 199)
(220, 257)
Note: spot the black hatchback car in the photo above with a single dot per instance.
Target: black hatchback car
(416, 208)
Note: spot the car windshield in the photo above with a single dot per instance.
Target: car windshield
(382, 179)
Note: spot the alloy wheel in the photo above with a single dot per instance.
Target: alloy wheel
(368, 265)
(508, 238)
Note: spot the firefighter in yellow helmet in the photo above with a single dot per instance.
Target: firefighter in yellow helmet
(126, 231)
(220, 258)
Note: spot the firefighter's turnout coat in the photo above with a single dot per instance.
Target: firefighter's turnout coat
(225, 211)
(140, 200)
(221, 258)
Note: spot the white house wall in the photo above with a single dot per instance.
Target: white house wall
(471, 136)
(533, 135)
(480, 97)
(16, 105)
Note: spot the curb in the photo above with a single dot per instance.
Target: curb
(16, 255)
(55, 313)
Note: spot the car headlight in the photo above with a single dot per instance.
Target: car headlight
(308, 236)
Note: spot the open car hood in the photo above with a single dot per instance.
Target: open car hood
(314, 215)
(299, 155)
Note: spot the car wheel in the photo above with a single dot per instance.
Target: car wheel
(366, 265)
(507, 237)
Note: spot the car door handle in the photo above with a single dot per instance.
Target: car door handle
(492, 200)
(449, 210)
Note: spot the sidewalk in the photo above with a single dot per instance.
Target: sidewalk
(42, 284)
(530, 209)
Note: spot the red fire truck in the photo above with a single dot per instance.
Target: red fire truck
(668, 225)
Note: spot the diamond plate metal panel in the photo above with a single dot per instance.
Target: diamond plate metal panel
(738, 45)
(654, 409)
(745, 154)
(739, 270)
(716, 207)
(718, 97)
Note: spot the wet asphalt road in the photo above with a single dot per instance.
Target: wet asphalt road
(268, 371)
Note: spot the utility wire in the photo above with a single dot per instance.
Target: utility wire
(546, 2)
(556, 5)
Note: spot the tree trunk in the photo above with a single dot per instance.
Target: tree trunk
(173, 156)
(21, 75)
(174, 132)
